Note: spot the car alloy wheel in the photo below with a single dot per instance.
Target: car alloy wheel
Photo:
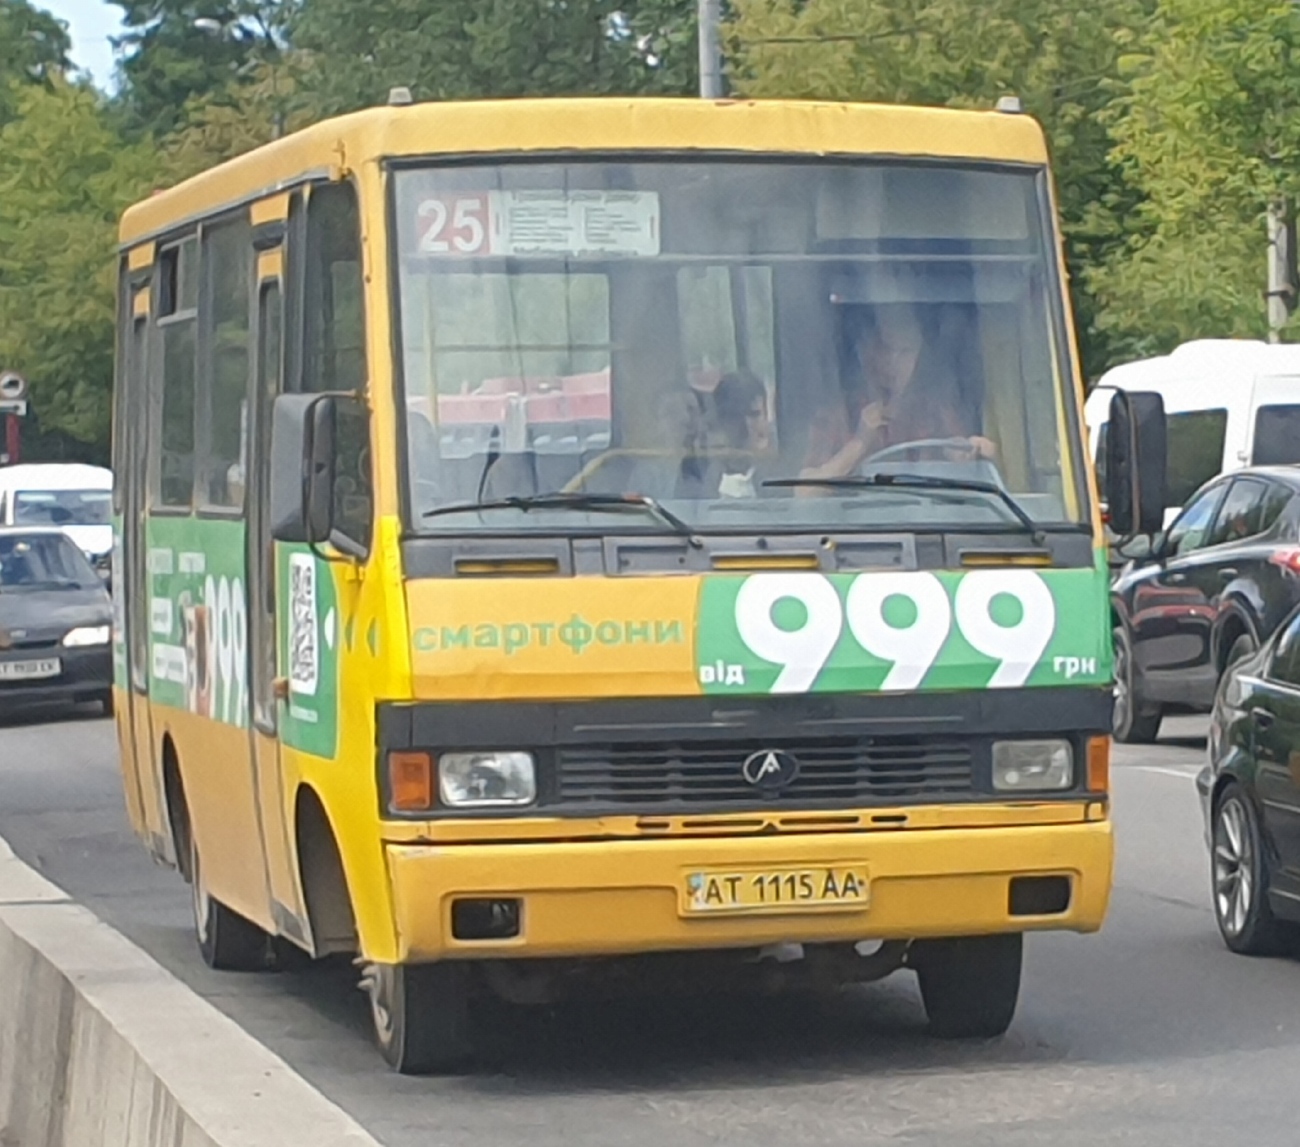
(1240, 873)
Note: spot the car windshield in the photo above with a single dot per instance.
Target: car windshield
(42, 561)
(702, 332)
(62, 507)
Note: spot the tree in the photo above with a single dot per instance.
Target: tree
(1209, 129)
(1061, 60)
(180, 50)
(444, 49)
(33, 49)
(65, 176)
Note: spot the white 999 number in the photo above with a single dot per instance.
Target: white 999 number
(910, 647)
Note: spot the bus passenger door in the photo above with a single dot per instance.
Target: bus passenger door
(274, 813)
(136, 588)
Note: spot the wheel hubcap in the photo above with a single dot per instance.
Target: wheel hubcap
(1122, 691)
(1234, 868)
(378, 984)
(199, 896)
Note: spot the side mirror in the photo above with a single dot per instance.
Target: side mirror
(303, 433)
(1135, 463)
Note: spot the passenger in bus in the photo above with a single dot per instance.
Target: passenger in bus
(896, 392)
(742, 428)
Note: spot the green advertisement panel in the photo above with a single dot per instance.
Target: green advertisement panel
(118, 589)
(903, 631)
(199, 630)
(309, 628)
(198, 617)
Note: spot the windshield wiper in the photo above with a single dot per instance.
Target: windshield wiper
(610, 503)
(921, 482)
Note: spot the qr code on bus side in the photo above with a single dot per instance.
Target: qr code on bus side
(304, 654)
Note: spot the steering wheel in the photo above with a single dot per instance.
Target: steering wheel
(918, 444)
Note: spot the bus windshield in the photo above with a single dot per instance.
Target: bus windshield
(745, 342)
(62, 507)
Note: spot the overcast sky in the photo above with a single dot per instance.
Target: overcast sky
(91, 23)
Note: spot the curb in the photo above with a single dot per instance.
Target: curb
(102, 1047)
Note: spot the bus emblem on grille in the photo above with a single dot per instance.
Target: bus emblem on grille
(770, 769)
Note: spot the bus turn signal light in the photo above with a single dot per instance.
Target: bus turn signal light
(1099, 764)
(410, 782)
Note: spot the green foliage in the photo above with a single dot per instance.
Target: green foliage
(65, 176)
(179, 51)
(443, 49)
(1209, 129)
(1061, 60)
(33, 48)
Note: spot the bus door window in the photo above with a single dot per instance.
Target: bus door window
(266, 385)
(224, 362)
(334, 345)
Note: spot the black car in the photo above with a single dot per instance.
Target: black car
(1214, 587)
(1250, 793)
(55, 623)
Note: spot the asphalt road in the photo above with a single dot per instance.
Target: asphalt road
(1150, 1033)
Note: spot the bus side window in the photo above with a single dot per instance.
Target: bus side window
(173, 476)
(334, 344)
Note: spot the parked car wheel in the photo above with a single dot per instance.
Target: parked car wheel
(1243, 647)
(1133, 721)
(1240, 870)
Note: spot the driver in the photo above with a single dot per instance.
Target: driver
(892, 397)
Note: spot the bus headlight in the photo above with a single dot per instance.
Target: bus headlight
(88, 635)
(1032, 766)
(486, 780)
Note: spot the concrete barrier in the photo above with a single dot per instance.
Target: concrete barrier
(101, 1047)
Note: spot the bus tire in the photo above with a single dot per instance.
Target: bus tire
(969, 984)
(227, 941)
(421, 1015)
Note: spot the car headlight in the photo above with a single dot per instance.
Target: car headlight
(1032, 766)
(88, 635)
(485, 780)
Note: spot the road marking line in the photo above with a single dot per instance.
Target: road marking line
(1187, 773)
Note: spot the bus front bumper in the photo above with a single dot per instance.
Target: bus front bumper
(613, 897)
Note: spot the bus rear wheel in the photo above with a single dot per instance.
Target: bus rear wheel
(969, 984)
(421, 1015)
(227, 941)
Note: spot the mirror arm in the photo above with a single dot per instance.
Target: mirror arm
(348, 550)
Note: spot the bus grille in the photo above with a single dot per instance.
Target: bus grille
(847, 771)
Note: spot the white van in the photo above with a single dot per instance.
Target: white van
(76, 498)
(1228, 403)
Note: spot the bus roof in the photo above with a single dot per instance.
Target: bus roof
(592, 125)
(55, 476)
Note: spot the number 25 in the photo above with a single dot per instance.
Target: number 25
(467, 229)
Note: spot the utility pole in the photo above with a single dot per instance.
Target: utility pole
(710, 21)
(1281, 290)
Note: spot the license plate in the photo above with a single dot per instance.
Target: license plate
(815, 889)
(29, 670)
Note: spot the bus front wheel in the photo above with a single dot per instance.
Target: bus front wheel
(969, 984)
(421, 1015)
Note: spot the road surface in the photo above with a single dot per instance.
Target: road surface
(1150, 1033)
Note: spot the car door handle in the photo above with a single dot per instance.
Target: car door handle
(1227, 574)
(1262, 718)
(1177, 578)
